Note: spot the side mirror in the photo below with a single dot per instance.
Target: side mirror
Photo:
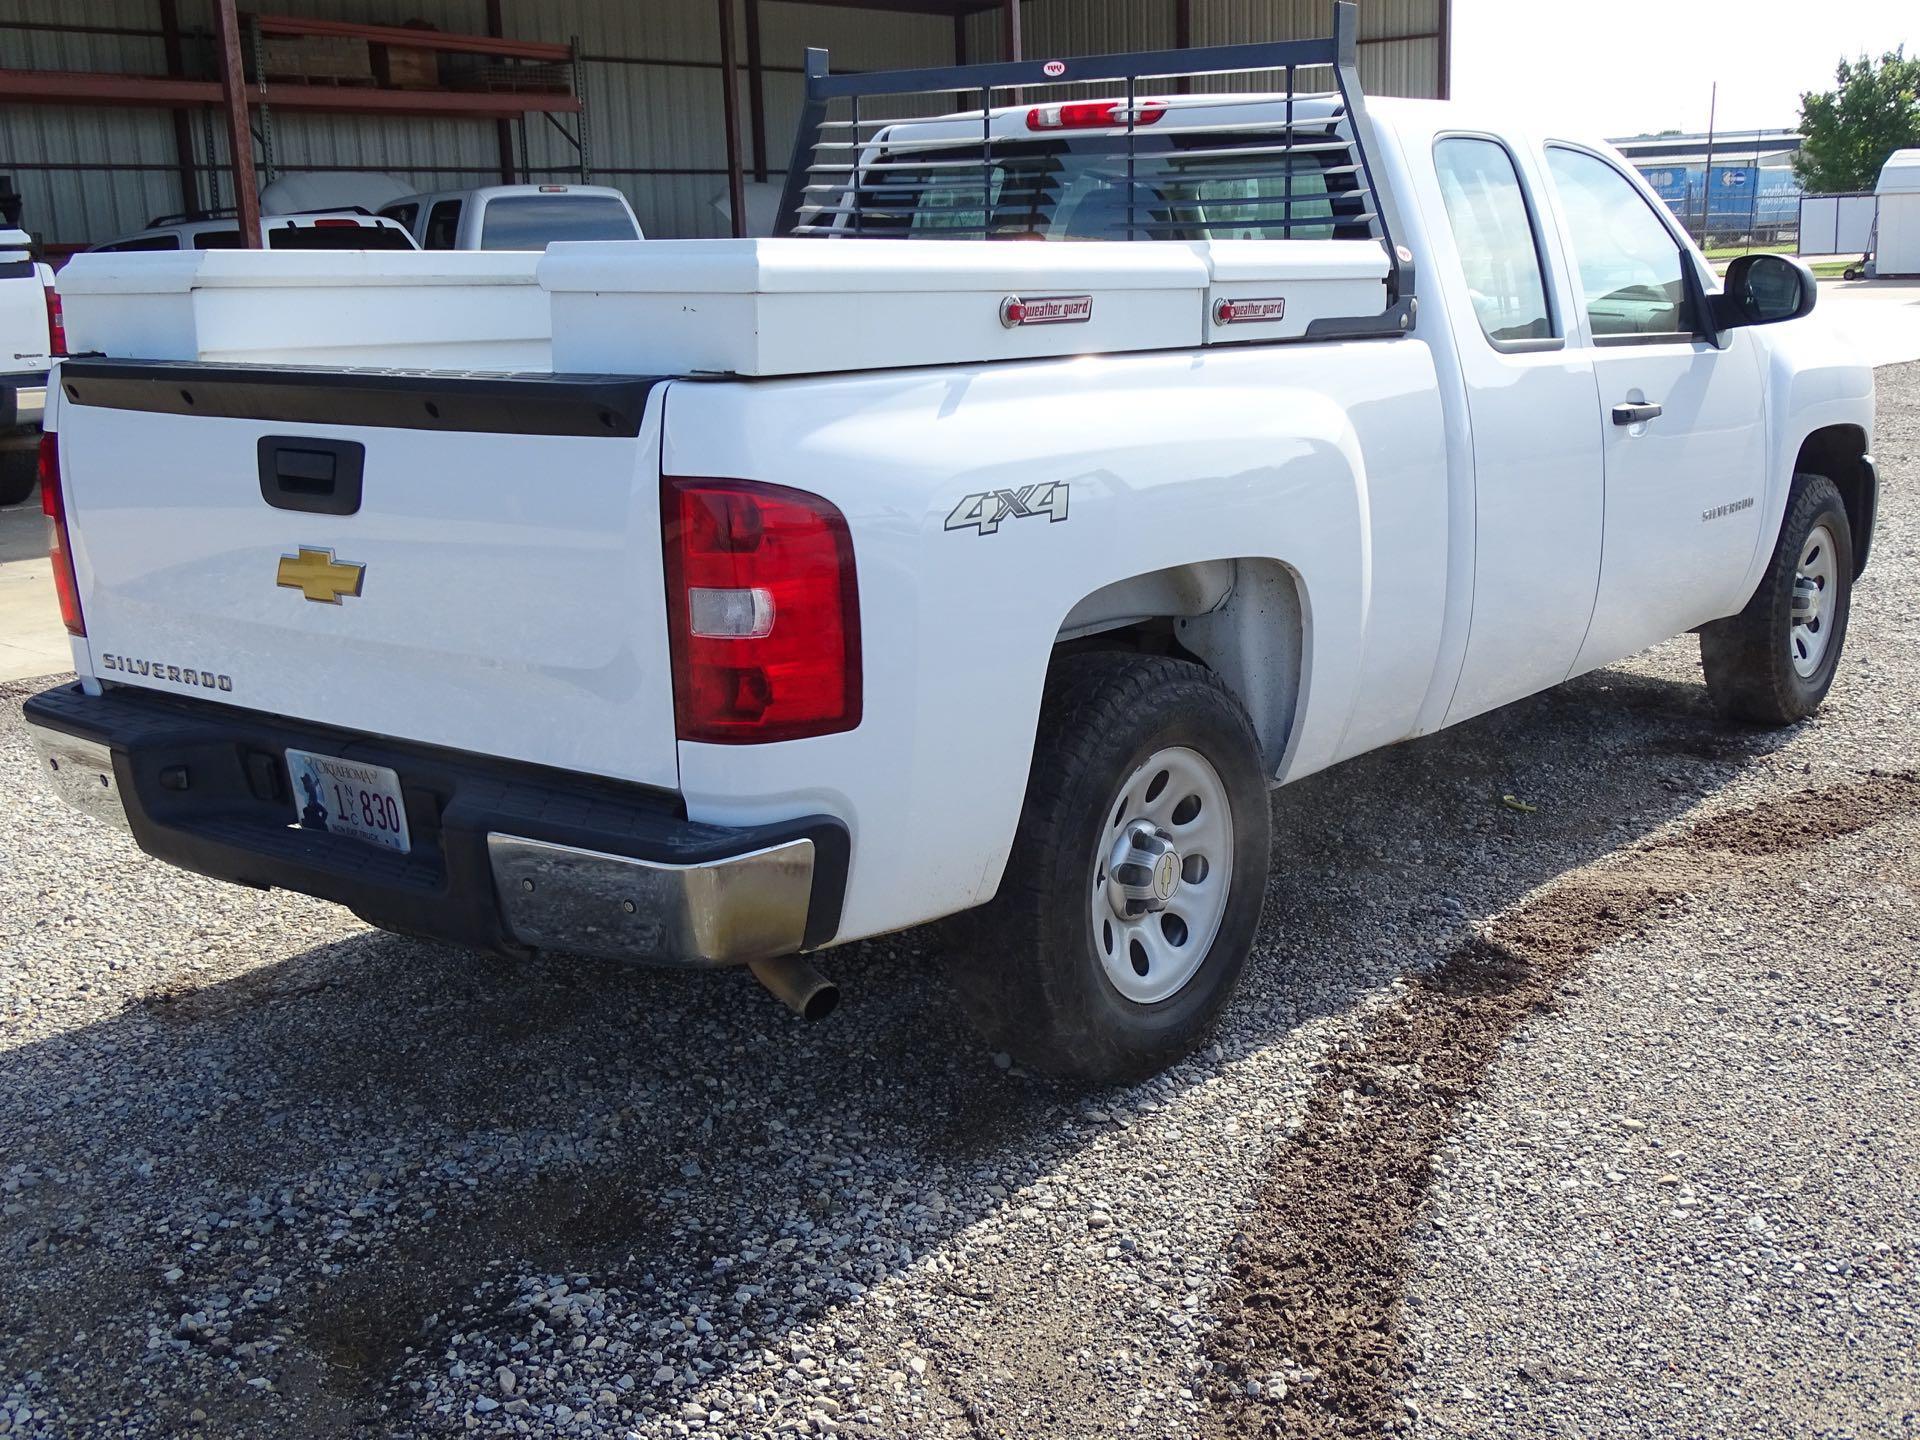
(1764, 289)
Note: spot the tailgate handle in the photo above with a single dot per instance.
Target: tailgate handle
(321, 477)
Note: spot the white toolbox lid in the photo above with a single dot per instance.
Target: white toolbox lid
(854, 266)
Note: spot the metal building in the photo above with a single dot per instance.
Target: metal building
(110, 111)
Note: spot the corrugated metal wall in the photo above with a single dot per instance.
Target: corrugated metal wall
(652, 87)
(1401, 49)
(45, 147)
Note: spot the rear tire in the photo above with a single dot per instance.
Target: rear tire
(19, 469)
(1773, 663)
(1104, 971)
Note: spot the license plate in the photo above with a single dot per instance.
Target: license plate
(345, 797)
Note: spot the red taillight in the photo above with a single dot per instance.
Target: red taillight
(763, 612)
(59, 551)
(56, 324)
(336, 224)
(1093, 115)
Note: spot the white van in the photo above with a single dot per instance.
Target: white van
(327, 230)
(514, 217)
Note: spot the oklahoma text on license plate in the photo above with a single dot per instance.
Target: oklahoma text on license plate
(345, 797)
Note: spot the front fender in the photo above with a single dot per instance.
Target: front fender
(1814, 381)
(967, 570)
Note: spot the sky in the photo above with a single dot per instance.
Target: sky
(1623, 67)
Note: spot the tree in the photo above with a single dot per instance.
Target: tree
(1873, 110)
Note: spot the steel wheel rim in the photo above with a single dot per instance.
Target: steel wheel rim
(1150, 956)
(1814, 590)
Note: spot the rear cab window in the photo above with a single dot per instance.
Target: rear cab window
(140, 242)
(1187, 187)
(338, 237)
(533, 222)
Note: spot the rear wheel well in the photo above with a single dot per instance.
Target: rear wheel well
(1156, 636)
(1838, 452)
(1250, 634)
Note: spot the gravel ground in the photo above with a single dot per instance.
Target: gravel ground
(263, 1171)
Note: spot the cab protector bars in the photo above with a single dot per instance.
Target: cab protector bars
(845, 181)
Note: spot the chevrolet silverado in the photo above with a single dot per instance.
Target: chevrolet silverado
(892, 569)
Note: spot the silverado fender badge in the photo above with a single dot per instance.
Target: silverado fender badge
(318, 576)
(985, 511)
(1240, 312)
(1046, 310)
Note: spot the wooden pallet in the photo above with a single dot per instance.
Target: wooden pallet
(342, 82)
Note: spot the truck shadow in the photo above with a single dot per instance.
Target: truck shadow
(662, 1135)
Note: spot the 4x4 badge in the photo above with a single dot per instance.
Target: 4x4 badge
(985, 511)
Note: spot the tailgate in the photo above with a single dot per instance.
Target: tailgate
(23, 314)
(471, 562)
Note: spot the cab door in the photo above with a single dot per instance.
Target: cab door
(1679, 418)
(1537, 498)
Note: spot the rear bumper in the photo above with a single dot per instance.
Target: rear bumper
(23, 401)
(506, 857)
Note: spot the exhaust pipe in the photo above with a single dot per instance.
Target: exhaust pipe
(798, 986)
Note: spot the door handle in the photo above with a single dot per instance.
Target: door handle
(320, 477)
(1631, 414)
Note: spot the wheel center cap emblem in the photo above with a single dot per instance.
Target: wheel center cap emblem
(1806, 601)
(1166, 876)
(1142, 871)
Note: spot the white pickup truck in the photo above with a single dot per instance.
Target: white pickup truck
(514, 217)
(888, 570)
(30, 336)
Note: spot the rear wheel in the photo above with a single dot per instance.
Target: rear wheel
(1773, 663)
(18, 471)
(1135, 883)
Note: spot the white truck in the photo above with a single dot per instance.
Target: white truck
(888, 571)
(514, 217)
(31, 335)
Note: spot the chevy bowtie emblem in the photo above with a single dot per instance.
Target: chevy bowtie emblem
(318, 576)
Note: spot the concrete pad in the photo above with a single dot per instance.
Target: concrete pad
(32, 639)
(1880, 318)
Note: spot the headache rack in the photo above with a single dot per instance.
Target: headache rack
(1200, 144)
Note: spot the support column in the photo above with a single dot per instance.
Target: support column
(1183, 40)
(756, 93)
(502, 128)
(233, 95)
(730, 109)
(959, 39)
(1010, 30)
(182, 121)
